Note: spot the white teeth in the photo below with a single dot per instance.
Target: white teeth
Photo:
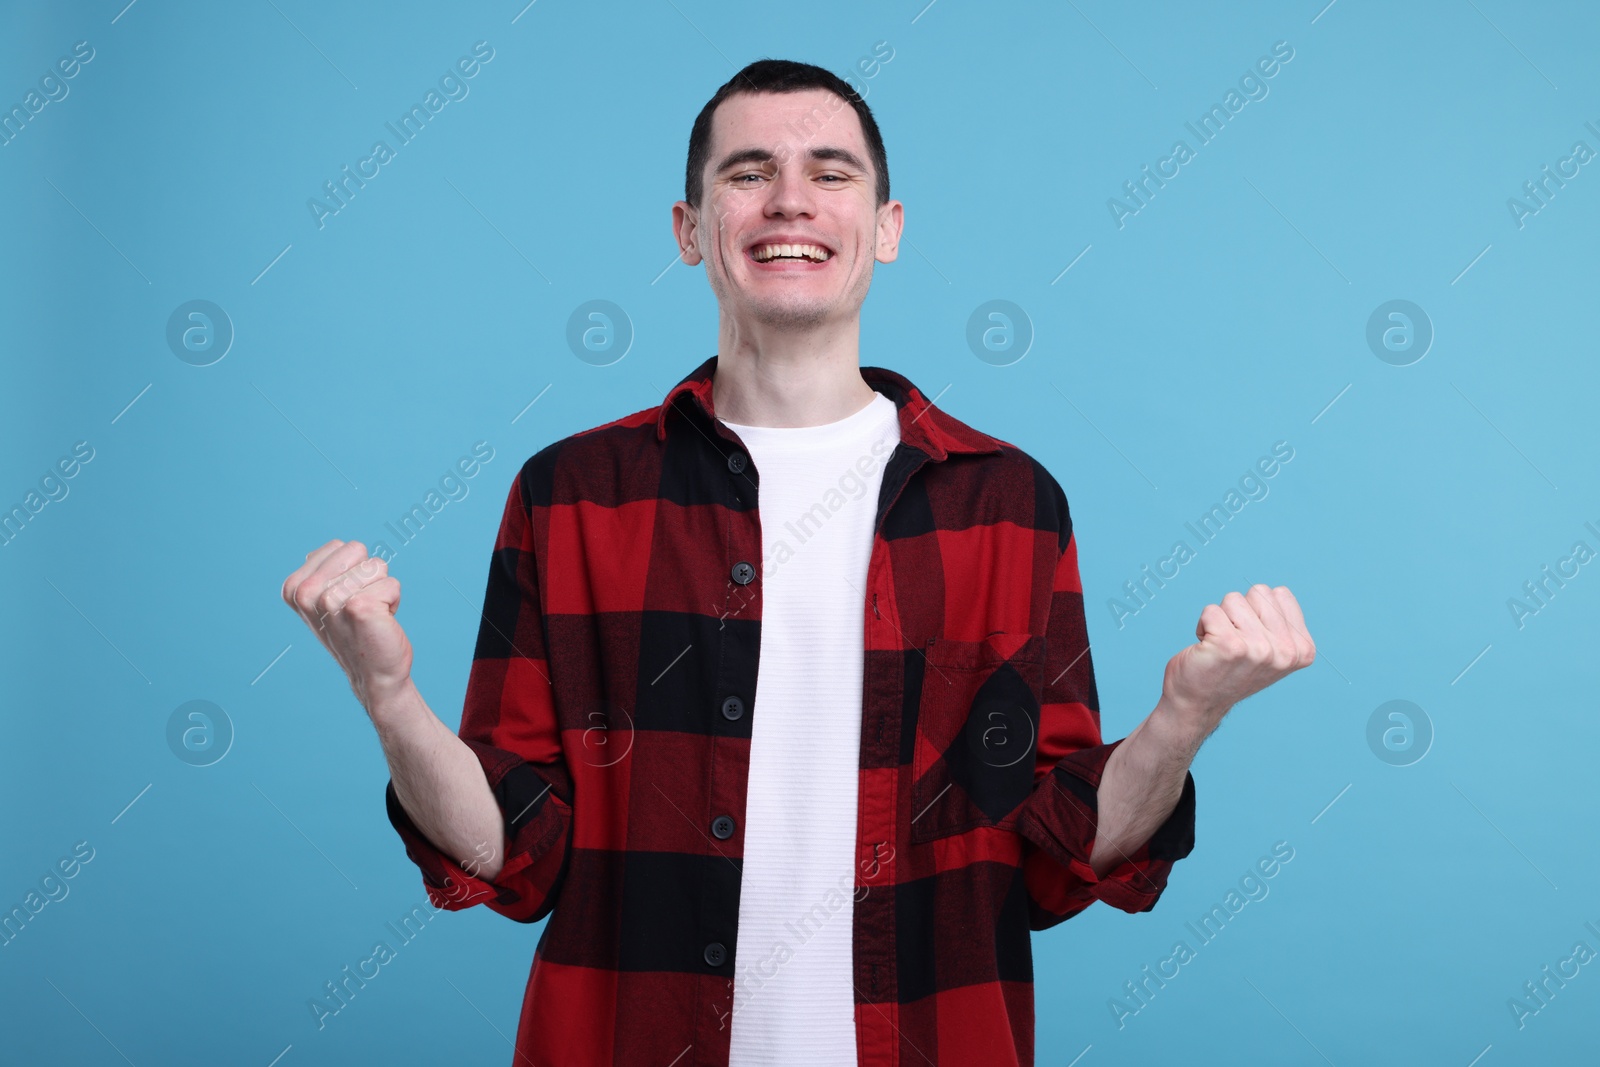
(815, 253)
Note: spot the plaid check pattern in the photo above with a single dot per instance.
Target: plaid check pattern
(610, 701)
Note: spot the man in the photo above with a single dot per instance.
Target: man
(836, 858)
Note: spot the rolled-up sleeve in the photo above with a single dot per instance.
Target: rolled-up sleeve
(1060, 826)
(509, 722)
(1059, 821)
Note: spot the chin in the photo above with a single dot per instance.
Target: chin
(790, 316)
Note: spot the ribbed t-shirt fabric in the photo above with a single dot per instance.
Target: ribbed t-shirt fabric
(794, 1000)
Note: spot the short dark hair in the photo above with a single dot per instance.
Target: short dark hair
(781, 76)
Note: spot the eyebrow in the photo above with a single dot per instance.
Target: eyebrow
(762, 155)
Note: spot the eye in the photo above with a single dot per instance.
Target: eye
(738, 179)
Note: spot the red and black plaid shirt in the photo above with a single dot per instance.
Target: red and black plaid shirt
(610, 701)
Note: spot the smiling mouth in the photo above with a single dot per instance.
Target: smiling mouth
(803, 253)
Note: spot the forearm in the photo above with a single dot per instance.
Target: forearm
(1141, 784)
(440, 782)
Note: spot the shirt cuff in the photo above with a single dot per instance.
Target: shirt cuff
(535, 820)
(1063, 820)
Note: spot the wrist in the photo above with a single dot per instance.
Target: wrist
(392, 706)
(1179, 724)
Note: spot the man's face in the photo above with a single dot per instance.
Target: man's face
(788, 169)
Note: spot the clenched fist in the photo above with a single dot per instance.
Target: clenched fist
(1246, 643)
(349, 601)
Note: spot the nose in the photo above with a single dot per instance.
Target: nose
(790, 194)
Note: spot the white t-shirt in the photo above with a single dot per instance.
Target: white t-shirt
(794, 995)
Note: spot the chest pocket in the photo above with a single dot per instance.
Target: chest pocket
(977, 732)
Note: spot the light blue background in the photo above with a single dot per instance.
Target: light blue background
(1228, 314)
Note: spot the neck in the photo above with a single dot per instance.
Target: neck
(768, 376)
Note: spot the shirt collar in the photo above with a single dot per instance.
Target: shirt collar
(922, 424)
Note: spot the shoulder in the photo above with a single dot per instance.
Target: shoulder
(598, 464)
(1050, 510)
(1006, 483)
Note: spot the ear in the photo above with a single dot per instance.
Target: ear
(891, 220)
(686, 228)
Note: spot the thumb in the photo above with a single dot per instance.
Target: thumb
(1213, 620)
(385, 591)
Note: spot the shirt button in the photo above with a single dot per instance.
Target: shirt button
(732, 708)
(736, 462)
(743, 573)
(722, 827)
(715, 954)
